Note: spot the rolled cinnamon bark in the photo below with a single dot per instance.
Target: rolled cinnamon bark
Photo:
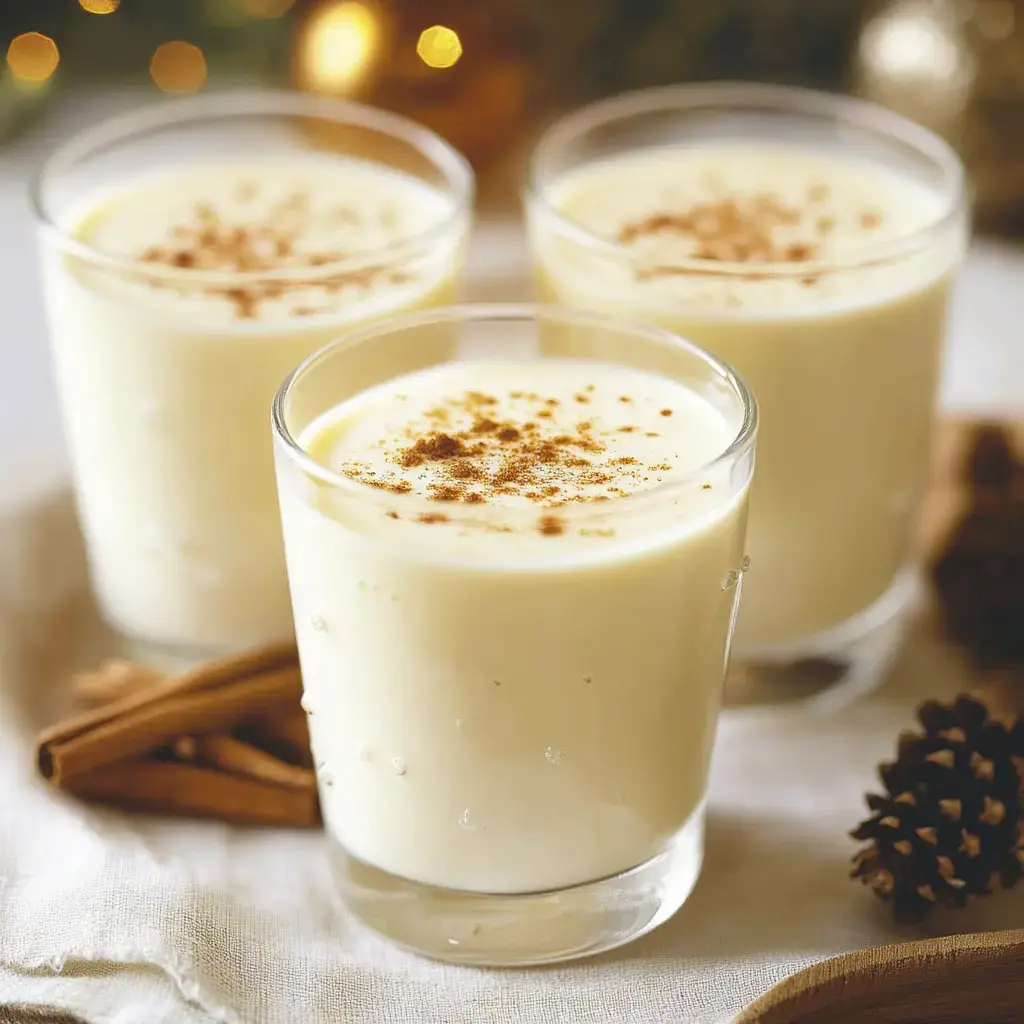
(212, 698)
(115, 678)
(231, 755)
(167, 787)
(284, 733)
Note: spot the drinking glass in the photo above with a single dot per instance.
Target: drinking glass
(193, 253)
(512, 689)
(811, 241)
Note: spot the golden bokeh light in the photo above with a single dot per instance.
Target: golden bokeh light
(439, 47)
(178, 67)
(341, 42)
(32, 57)
(266, 8)
(99, 6)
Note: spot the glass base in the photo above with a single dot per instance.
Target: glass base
(825, 672)
(521, 929)
(168, 658)
(171, 657)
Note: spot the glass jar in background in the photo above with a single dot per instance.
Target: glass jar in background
(810, 240)
(192, 254)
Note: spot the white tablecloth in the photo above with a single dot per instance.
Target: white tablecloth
(125, 920)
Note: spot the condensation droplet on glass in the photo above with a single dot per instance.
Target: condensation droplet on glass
(398, 766)
(588, 679)
(553, 755)
(466, 823)
(365, 754)
(745, 564)
(731, 580)
(319, 624)
(362, 585)
(458, 725)
(323, 774)
(394, 598)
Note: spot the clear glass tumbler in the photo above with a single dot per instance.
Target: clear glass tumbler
(515, 544)
(193, 253)
(811, 241)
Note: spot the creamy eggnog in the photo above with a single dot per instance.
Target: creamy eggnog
(199, 289)
(784, 261)
(513, 595)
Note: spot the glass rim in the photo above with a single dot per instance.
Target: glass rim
(741, 442)
(250, 103)
(691, 97)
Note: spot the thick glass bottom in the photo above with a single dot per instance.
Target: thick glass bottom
(161, 657)
(173, 657)
(825, 672)
(520, 929)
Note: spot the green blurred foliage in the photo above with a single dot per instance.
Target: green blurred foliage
(597, 47)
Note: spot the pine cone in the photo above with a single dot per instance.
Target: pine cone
(991, 462)
(951, 824)
(980, 574)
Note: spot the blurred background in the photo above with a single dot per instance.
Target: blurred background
(487, 73)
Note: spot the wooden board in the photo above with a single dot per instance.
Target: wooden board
(960, 979)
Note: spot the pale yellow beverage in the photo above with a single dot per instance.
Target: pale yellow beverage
(515, 573)
(180, 300)
(517, 703)
(791, 262)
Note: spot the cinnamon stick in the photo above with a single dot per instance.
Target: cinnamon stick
(285, 734)
(167, 787)
(234, 756)
(113, 679)
(212, 698)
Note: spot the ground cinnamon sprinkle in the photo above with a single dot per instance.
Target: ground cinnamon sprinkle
(474, 449)
(209, 243)
(743, 229)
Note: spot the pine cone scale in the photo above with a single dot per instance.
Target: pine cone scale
(950, 825)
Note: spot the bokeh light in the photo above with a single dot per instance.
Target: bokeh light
(908, 43)
(439, 47)
(99, 6)
(32, 57)
(178, 67)
(266, 8)
(340, 43)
